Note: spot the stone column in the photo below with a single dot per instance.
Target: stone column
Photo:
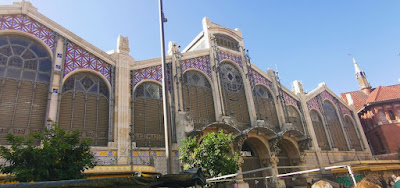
(56, 80)
(248, 89)
(358, 125)
(298, 89)
(279, 109)
(274, 160)
(122, 111)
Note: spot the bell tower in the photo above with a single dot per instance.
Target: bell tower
(362, 79)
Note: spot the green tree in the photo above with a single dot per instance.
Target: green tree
(61, 155)
(214, 154)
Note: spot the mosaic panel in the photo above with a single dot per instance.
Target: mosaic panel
(237, 59)
(201, 63)
(345, 110)
(313, 104)
(326, 95)
(290, 100)
(156, 158)
(106, 157)
(28, 25)
(78, 58)
(152, 73)
(258, 79)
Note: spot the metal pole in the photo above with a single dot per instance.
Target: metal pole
(167, 128)
(352, 175)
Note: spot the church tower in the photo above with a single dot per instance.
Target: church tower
(362, 79)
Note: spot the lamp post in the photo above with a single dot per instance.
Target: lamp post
(167, 127)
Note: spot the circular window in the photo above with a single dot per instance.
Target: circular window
(231, 78)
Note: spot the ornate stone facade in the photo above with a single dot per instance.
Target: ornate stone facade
(225, 102)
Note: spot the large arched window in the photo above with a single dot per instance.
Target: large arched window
(294, 118)
(25, 69)
(319, 130)
(234, 97)
(85, 106)
(334, 127)
(198, 98)
(352, 133)
(227, 42)
(265, 106)
(147, 111)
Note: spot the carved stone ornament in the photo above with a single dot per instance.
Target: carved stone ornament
(273, 161)
(196, 134)
(304, 144)
(238, 142)
(229, 120)
(274, 147)
(123, 44)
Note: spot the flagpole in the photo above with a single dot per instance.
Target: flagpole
(167, 127)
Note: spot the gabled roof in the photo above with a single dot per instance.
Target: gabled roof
(384, 93)
(379, 94)
(359, 98)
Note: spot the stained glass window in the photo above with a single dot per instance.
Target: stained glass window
(334, 127)
(265, 107)
(85, 106)
(24, 85)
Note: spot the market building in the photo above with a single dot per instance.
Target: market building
(48, 74)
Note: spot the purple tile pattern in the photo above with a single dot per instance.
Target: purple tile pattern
(258, 79)
(290, 100)
(28, 25)
(78, 58)
(327, 95)
(225, 55)
(152, 73)
(201, 63)
(345, 110)
(313, 104)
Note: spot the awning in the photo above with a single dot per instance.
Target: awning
(381, 167)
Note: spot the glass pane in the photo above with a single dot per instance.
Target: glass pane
(31, 64)
(3, 41)
(6, 50)
(18, 50)
(39, 50)
(2, 71)
(15, 61)
(3, 60)
(13, 73)
(93, 89)
(28, 54)
(44, 65)
(14, 39)
(43, 77)
(29, 75)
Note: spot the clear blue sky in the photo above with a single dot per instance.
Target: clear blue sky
(308, 40)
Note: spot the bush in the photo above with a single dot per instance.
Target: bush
(213, 154)
(61, 155)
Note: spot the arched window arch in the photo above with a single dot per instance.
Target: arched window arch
(25, 70)
(85, 106)
(319, 130)
(334, 126)
(227, 42)
(352, 133)
(147, 112)
(294, 118)
(198, 98)
(265, 106)
(233, 94)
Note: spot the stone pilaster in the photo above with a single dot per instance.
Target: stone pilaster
(56, 80)
(248, 89)
(122, 111)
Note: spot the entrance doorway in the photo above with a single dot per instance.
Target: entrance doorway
(252, 161)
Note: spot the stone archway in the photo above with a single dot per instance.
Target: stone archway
(288, 155)
(254, 153)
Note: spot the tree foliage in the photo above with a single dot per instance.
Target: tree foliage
(61, 155)
(213, 154)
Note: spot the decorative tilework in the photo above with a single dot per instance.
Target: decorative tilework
(28, 25)
(345, 110)
(258, 79)
(152, 73)
(78, 58)
(201, 63)
(237, 59)
(289, 99)
(327, 95)
(313, 104)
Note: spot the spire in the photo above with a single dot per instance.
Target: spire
(356, 67)
(362, 79)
